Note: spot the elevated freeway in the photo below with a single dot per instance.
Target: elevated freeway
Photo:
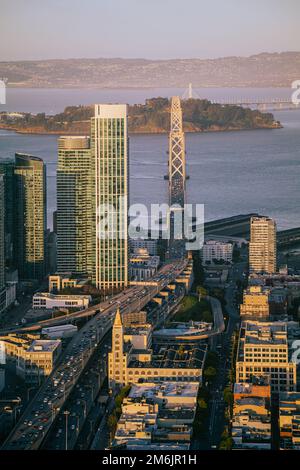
(194, 334)
(37, 419)
(141, 293)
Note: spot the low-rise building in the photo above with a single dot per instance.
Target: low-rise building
(33, 358)
(264, 349)
(251, 423)
(149, 244)
(255, 304)
(157, 414)
(58, 282)
(175, 362)
(45, 300)
(284, 289)
(289, 420)
(142, 266)
(61, 331)
(214, 250)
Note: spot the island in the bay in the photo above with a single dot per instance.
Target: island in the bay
(199, 115)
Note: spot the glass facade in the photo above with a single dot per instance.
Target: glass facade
(2, 235)
(109, 145)
(30, 216)
(75, 189)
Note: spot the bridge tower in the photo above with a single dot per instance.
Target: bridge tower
(177, 178)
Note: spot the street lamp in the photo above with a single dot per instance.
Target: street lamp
(54, 410)
(84, 407)
(66, 413)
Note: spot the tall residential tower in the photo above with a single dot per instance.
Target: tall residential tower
(74, 206)
(262, 247)
(2, 246)
(30, 216)
(109, 147)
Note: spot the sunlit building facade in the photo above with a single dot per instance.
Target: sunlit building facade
(2, 247)
(75, 252)
(109, 146)
(264, 350)
(262, 247)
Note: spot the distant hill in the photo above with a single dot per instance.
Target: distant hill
(151, 117)
(262, 70)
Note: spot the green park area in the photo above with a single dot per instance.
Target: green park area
(193, 309)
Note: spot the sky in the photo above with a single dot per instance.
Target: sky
(151, 29)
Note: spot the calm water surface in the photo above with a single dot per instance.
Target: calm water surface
(231, 173)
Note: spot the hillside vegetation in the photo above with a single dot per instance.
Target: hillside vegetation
(151, 117)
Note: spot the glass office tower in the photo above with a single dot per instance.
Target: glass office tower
(30, 216)
(7, 168)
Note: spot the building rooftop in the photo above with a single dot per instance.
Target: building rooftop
(48, 295)
(271, 334)
(138, 329)
(256, 401)
(174, 356)
(164, 389)
(43, 345)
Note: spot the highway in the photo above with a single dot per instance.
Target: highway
(37, 419)
(142, 295)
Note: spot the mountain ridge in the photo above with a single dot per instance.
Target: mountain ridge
(265, 69)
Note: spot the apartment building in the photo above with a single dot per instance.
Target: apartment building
(263, 349)
(32, 357)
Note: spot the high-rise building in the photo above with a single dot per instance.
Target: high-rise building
(74, 218)
(2, 247)
(30, 216)
(109, 147)
(262, 247)
(7, 168)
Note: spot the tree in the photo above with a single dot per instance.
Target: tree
(198, 426)
(202, 403)
(112, 423)
(226, 444)
(210, 373)
(228, 396)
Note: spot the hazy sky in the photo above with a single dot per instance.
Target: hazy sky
(42, 29)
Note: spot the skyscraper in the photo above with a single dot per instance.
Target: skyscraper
(7, 167)
(177, 179)
(75, 191)
(30, 216)
(2, 246)
(262, 247)
(109, 147)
